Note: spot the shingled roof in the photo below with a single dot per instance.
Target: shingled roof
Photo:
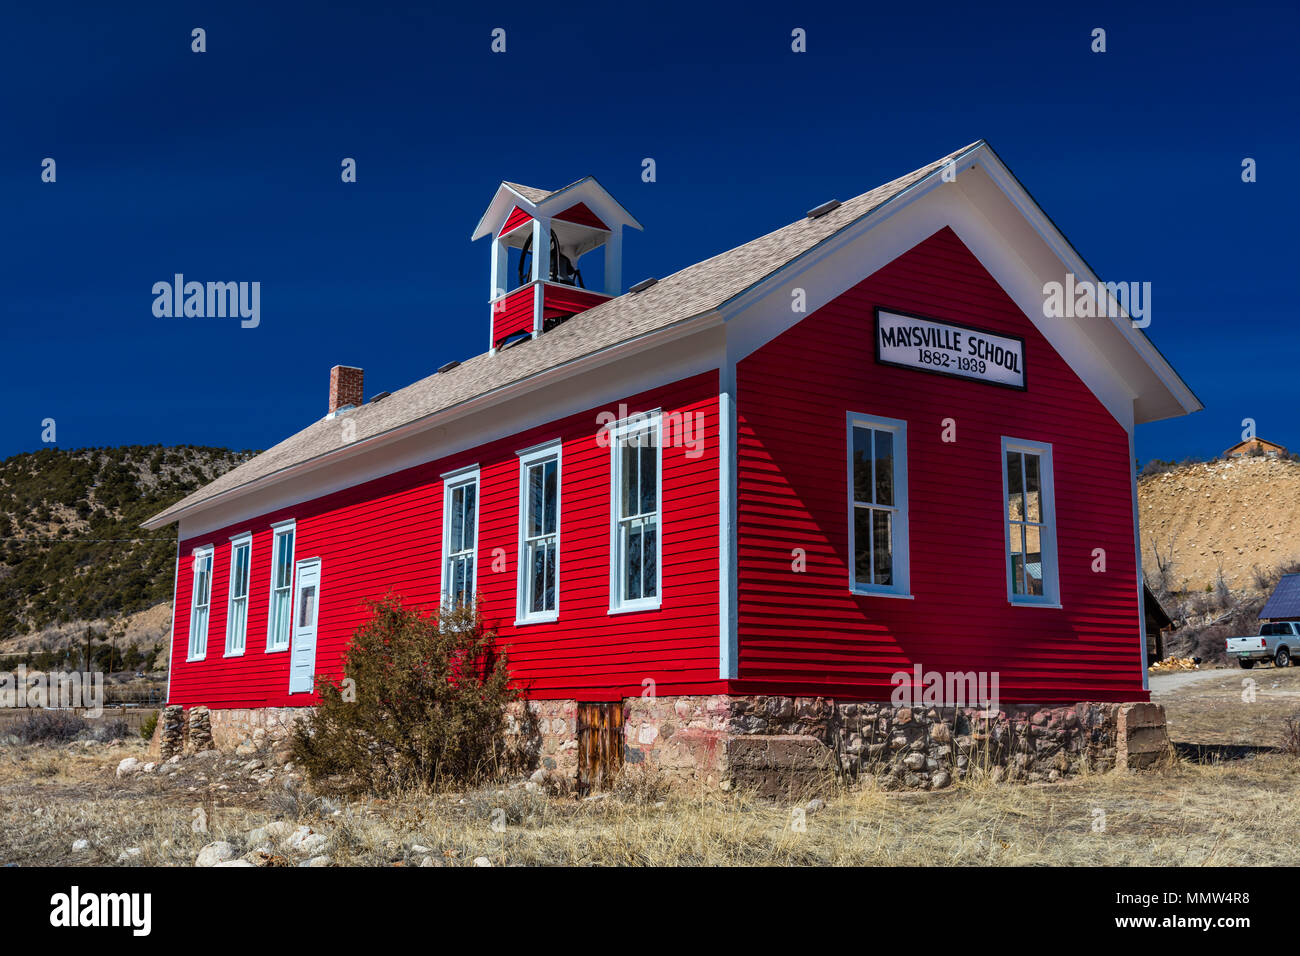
(1284, 602)
(531, 193)
(694, 291)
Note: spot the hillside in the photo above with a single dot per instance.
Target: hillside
(1241, 516)
(73, 557)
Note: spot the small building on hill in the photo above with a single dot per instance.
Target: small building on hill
(1256, 446)
(1284, 603)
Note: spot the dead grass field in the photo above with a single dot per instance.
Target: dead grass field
(1240, 813)
(1234, 813)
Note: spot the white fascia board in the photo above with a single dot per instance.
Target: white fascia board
(596, 196)
(498, 209)
(1074, 262)
(601, 379)
(758, 315)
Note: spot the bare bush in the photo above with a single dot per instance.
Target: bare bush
(48, 726)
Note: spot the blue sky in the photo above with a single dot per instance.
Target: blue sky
(225, 166)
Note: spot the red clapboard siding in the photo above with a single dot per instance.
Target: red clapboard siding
(512, 314)
(516, 219)
(386, 535)
(582, 215)
(568, 300)
(806, 631)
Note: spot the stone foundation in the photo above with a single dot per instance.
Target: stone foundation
(795, 745)
(790, 746)
(181, 731)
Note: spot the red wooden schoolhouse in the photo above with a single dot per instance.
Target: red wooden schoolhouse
(849, 448)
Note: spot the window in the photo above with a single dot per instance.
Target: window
(459, 536)
(539, 533)
(878, 537)
(200, 602)
(279, 616)
(635, 545)
(241, 549)
(1030, 520)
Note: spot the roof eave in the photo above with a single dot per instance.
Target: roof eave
(524, 386)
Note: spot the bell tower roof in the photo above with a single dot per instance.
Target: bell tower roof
(536, 203)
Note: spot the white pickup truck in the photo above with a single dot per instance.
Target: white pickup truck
(1274, 642)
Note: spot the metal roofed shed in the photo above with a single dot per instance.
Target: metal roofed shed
(1284, 602)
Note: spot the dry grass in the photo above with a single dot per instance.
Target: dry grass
(1185, 815)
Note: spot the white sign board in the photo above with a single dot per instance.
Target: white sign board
(909, 341)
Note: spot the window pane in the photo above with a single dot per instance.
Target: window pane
(548, 594)
(550, 495)
(1033, 560)
(882, 547)
(239, 585)
(884, 446)
(280, 608)
(539, 579)
(632, 572)
(862, 464)
(1033, 507)
(649, 477)
(650, 560)
(456, 540)
(284, 557)
(1017, 558)
(470, 493)
(1015, 488)
(533, 522)
(630, 495)
(862, 545)
(307, 607)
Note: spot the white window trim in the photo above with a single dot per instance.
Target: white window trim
(618, 432)
(1051, 596)
(531, 456)
(452, 480)
(237, 542)
(204, 551)
(902, 586)
(277, 529)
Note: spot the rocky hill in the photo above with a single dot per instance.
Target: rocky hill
(79, 577)
(1238, 518)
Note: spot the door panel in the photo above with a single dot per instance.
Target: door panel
(306, 607)
(600, 745)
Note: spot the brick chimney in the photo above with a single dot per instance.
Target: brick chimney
(345, 387)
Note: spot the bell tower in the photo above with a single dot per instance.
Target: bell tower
(539, 241)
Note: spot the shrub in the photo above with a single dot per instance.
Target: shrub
(423, 701)
(47, 726)
(109, 729)
(150, 724)
(1291, 735)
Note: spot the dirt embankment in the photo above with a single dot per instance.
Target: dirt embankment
(1231, 515)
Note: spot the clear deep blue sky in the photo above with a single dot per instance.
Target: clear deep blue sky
(225, 166)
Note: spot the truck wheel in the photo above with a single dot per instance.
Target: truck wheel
(1283, 658)
(1245, 664)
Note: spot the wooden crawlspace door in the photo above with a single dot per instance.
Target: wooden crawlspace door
(600, 745)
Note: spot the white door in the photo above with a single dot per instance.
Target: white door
(306, 604)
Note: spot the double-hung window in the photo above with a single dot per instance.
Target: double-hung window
(539, 533)
(636, 503)
(280, 616)
(459, 536)
(878, 532)
(241, 550)
(200, 604)
(1030, 522)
